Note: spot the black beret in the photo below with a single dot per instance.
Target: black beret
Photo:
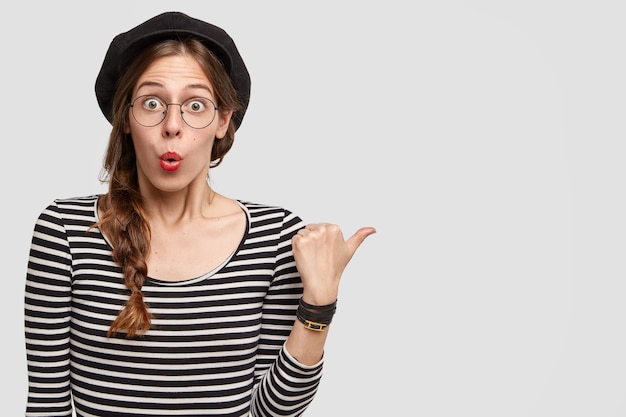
(170, 25)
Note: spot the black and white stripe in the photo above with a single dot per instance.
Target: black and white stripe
(216, 346)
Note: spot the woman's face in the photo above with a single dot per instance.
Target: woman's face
(172, 155)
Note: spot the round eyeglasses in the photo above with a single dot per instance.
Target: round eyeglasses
(196, 112)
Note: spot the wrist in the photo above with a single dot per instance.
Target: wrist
(316, 317)
(319, 298)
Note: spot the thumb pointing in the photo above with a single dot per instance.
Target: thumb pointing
(358, 237)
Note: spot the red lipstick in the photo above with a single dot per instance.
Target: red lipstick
(170, 161)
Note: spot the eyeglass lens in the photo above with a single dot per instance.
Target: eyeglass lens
(197, 112)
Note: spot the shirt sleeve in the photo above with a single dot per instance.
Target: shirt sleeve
(47, 307)
(284, 387)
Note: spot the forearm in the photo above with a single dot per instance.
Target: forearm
(310, 329)
(306, 345)
(287, 389)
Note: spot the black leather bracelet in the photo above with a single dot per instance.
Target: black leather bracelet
(315, 317)
(311, 325)
(318, 308)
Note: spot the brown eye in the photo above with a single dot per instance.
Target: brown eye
(153, 103)
(195, 105)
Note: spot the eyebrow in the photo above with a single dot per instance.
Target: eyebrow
(195, 86)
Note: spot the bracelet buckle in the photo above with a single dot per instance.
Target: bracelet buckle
(313, 325)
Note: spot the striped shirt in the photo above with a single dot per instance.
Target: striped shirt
(216, 347)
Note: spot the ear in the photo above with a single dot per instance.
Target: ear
(223, 122)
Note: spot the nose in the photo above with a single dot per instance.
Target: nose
(172, 124)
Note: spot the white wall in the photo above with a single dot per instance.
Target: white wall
(483, 139)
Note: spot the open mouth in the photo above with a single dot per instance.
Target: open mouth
(170, 161)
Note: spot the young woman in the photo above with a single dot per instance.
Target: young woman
(163, 297)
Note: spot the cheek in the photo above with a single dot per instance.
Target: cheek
(139, 144)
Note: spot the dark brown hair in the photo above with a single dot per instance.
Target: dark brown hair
(123, 219)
